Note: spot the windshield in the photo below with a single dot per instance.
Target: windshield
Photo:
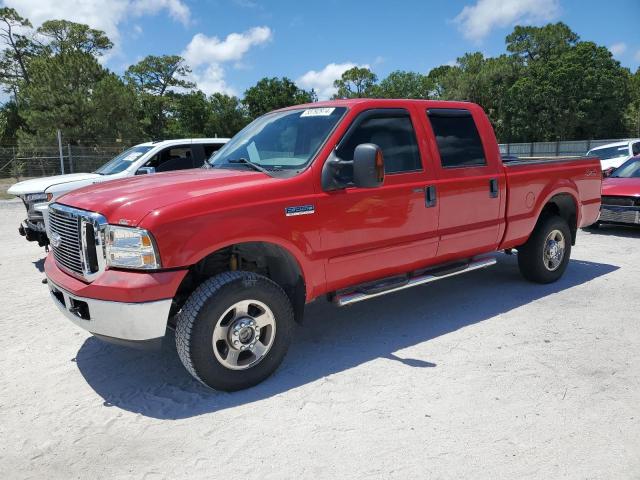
(123, 161)
(609, 152)
(629, 169)
(280, 141)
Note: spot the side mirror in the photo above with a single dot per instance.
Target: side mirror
(145, 171)
(366, 170)
(368, 166)
(607, 173)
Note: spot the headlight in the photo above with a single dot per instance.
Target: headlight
(36, 197)
(128, 247)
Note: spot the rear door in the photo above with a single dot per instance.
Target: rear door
(368, 233)
(470, 186)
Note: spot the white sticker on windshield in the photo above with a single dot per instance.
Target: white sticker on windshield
(317, 112)
(131, 157)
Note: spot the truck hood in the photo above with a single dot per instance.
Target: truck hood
(129, 200)
(626, 187)
(38, 185)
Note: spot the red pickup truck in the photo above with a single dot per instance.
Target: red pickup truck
(351, 199)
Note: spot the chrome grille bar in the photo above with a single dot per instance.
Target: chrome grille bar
(70, 243)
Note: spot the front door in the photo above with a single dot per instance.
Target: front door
(370, 233)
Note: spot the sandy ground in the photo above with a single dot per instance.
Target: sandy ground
(480, 376)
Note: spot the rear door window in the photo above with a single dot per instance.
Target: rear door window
(457, 137)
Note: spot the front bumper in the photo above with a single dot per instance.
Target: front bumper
(619, 214)
(119, 320)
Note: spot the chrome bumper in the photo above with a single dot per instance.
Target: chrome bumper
(119, 320)
(619, 214)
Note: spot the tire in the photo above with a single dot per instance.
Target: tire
(534, 266)
(225, 305)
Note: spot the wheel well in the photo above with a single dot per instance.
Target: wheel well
(264, 258)
(564, 206)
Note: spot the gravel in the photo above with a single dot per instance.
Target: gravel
(478, 376)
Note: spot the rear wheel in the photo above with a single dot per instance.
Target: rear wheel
(544, 258)
(234, 330)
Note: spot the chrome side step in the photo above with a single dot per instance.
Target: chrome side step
(373, 290)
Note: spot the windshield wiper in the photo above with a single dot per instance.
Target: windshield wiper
(255, 166)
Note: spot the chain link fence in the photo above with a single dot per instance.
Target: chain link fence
(46, 160)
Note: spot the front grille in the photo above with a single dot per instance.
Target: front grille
(77, 240)
(68, 252)
(619, 215)
(621, 201)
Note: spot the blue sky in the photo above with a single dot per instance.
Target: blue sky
(233, 43)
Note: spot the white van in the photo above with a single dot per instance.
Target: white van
(146, 158)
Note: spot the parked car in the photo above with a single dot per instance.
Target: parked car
(612, 155)
(350, 199)
(621, 195)
(145, 158)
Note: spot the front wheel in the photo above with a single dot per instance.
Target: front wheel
(234, 330)
(544, 258)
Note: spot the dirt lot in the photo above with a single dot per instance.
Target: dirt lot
(480, 376)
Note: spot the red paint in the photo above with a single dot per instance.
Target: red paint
(355, 235)
(622, 187)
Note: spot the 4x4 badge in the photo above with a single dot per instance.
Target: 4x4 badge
(299, 210)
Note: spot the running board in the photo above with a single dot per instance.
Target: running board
(396, 284)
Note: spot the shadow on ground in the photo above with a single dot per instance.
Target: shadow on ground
(630, 231)
(39, 264)
(154, 383)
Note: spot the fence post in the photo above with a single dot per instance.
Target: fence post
(70, 159)
(60, 151)
(508, 149)
(531, 150)
(588, 145)
(557, 148)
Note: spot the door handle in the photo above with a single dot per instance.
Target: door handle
(430, 198)
(493, 188)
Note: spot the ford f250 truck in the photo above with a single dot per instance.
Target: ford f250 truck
(349, 199)
(149, 157)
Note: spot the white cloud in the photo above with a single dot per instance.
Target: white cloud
(322, 81)
(206, 56)
(99, 14)
(618, 49)
(203, 49)
(476, 21)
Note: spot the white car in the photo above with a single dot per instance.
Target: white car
(612, 155)
(150, 157)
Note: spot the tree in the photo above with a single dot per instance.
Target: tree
(578, 94)
(273, 93)
(400, 84)
(632, 114)
(153, 77)
(60, 97)
(116, 111)
(540, 43)
(228, 116)
(63, 36)
(18, 49)
(356, 82)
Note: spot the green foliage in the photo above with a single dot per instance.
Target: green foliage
(400, 84)
(356, 83)
(273, 93)
(541, 43)
(228, 116)
(19, 48)
(154, 78)
(63, 36)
